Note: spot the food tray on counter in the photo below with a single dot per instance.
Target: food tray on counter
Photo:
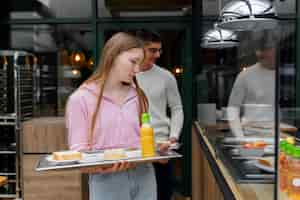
(96, 158)
(243, 140)
(245, 168)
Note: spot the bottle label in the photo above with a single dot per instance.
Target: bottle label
(296, 182)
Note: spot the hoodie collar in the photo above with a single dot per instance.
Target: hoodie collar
(94, 89)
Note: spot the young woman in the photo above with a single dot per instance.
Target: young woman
(104, 113)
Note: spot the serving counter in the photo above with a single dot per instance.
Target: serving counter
(212, 179)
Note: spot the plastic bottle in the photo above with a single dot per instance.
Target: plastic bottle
(294, 175)
(147, 137)
(283, 167)
(289, 149)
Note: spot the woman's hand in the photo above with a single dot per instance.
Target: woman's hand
(117, 167)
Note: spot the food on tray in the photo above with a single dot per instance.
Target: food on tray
(290, 140)
(133, 153)
(66, 155)
(256, 144)
(268, 162)
(265, 163)
(114, 154)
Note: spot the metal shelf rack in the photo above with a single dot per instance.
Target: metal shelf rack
(16, 106)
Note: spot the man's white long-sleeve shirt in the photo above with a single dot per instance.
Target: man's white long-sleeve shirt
(254, 86)
(161, 89)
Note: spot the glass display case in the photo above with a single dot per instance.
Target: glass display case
(287, 113)
(246, 95)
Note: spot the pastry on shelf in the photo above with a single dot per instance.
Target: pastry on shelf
(3, 180)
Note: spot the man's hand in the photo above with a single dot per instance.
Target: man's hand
(163, 161)
(164, 146)
(117, 167)
(173, 140)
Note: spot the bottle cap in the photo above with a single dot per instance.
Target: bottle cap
(289, 149)
(282, 145)
(296, 152)
(145, 118)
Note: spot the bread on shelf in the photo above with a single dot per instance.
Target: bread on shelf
(3, 180)
(66, 155)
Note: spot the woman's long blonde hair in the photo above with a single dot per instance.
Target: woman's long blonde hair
(117, 44)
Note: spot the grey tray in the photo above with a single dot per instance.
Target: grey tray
(44, 165)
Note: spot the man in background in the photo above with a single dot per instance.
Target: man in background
(252, 97)
(161, 89)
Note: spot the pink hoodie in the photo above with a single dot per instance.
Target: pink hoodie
(117, 126)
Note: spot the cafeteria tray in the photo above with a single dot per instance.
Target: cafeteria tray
(44, 164)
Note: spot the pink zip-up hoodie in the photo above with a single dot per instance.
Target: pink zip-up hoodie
(117, 126)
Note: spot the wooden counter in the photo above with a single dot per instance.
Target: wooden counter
(216, 183)
(42, 136)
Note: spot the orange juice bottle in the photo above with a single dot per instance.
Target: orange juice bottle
(283, 167)
(294, 175)
(289, 148)
(147, 137)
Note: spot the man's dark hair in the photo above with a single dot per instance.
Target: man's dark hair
(266, 39)
(148, 35)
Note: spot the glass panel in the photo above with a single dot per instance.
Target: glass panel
(61, 58)
(41, 9)
(148, 8)
(288, 113)
(236, 103)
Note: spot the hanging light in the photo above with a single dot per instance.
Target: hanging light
(242, 15)
(71, 72)
(219, 38)
(178, 70)
(75, 72)
(77, 58)
(90, 63)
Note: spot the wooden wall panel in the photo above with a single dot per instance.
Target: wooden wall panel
(50, 185)
(44, 135)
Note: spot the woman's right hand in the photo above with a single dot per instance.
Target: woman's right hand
(117, 167)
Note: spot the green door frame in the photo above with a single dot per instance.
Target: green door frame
(187, 93)
(297, 55)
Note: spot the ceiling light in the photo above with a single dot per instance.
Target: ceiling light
(240, 15)
(219, 39)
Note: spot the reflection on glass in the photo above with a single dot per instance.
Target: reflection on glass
(40, 9)
(236, 94)
(251, 103)
(148, 8)
(62, 61)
